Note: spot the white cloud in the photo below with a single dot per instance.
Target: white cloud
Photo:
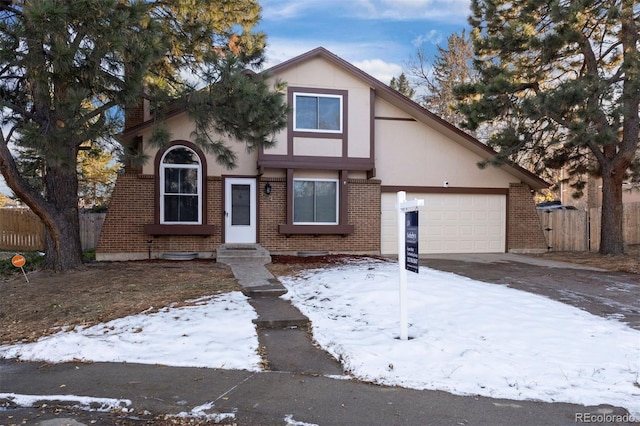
(434, 37)
(363, 56)
(383, 71)
(288, 9)
(429, 10)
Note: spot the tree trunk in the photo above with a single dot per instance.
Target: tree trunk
(611, 238)
(63, 250)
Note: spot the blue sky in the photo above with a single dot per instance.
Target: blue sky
(378, 36)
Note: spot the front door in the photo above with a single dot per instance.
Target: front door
(240, 210)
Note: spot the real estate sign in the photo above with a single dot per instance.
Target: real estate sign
(411, 242)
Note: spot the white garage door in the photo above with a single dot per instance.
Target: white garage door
(451, 223)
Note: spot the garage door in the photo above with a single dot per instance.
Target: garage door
(451, 223)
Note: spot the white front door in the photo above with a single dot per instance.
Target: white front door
(240, 210)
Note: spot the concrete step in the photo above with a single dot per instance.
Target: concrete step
(277, 313)
(234, 253)
(268, 290)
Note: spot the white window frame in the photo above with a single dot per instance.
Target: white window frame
(336, 181)
(317, 95)
(161, 171)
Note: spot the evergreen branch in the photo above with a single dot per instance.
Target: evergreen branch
(101, 110)
(19, 109)
(9, 6)
(17, 183)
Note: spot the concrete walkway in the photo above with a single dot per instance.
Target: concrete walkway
(302, 385)
(283, 332)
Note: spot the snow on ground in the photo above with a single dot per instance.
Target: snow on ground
(82, 402)
(468, 337)
(216, 332)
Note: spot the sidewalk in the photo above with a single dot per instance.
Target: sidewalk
(303, 385)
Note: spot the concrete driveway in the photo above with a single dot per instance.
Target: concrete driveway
(614, 295)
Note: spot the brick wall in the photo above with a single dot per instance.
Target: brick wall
(134, 115)
(524, 230)
(364, 214)
(133, 205)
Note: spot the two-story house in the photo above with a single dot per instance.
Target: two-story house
(329, 184)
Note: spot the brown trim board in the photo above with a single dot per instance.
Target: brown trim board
(443, 190)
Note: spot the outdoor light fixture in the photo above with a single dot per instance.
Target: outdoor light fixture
(267, 189)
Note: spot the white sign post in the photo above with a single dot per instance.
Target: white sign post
(402, 207)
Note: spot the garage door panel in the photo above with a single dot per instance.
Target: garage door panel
(451, 223)
(466, 216)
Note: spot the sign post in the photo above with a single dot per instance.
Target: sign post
(19, 261)
(407, 251)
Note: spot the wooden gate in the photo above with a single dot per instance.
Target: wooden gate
(565, 230)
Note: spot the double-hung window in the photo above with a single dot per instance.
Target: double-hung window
(317, 113)
(315, 201)
(180, 187)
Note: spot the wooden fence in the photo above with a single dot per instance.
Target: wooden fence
(22, 230)
(577, 230)
(565, 230)
(90, 227)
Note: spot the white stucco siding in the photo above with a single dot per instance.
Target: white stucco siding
(450, 223)
(413, 154)
(181, 128)
(317, 147)
(321, 74)
(359, 122)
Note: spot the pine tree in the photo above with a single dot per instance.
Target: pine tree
(402, 85)
(451, 66)
(97, 171)
(561, 80)
(68, 66)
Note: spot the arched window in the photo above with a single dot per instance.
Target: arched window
(180, 177)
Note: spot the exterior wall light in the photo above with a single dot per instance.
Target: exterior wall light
(267, 189)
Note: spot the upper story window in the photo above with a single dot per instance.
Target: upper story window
(315, 201)
(180, 186)
(317, 112)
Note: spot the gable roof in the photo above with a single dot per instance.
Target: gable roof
(395, 98)
(415, 110)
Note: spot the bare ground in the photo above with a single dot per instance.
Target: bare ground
(105, 291)
(101, 292)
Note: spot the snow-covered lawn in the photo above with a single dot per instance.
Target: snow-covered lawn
(214, 332)
(466, 337)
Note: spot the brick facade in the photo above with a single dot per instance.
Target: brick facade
(364, 215)
(133, 205)
(524, 230)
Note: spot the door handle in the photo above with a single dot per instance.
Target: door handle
(226, 214)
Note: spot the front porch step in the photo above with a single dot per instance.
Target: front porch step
(236, 253)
